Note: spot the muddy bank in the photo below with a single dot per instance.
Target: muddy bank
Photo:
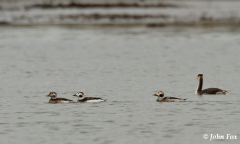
(98, 5)
(152, 13)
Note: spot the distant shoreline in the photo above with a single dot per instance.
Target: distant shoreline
(198, 24)
(150, 13)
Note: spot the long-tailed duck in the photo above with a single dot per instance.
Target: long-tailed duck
(54, 98)
(81, 98)
(161, 98)
(213, 91)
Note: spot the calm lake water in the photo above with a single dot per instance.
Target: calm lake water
(125, 65)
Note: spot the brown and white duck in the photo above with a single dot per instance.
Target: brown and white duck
(161, 98)
(81, 98)
(54, 98)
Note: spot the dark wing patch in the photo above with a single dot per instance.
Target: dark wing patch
(172, 98)
(64, 99)
(210, 91)
(164, 98)
(91, 98)
(88, 98)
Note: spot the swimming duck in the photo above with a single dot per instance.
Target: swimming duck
(81, 98)
(161, 98)
(54, 98)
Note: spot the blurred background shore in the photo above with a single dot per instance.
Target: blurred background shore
(120, 12)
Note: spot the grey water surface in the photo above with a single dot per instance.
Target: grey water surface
(126, 66)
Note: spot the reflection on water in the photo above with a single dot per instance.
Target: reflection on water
(125, 65)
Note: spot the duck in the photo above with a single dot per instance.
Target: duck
(208, 91)
(81, 98)
(54, 98)
(161, 98)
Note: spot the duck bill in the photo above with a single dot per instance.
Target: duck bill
(75, 95)
(154, 95)
(48, 96)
